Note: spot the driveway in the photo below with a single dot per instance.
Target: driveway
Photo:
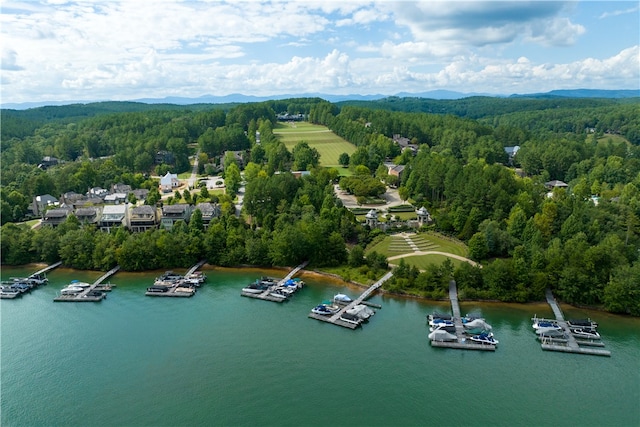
(391, 197)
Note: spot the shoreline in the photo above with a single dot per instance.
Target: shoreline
(338, 280)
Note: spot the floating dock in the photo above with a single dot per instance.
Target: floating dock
(87, 295)
(179, 289)
(336, 318)
(569, 344)
(462, 342)
(266, 295)
(40, 274)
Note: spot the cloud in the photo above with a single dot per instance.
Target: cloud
(619, 12)
(9, 60)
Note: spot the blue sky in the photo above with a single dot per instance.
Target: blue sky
(117, 50)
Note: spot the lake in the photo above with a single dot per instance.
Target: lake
(220, 359)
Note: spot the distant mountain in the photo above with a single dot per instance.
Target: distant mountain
(440, 94)
(583, 93)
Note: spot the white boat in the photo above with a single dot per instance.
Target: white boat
(547, 328)
(440, 334)
(196, 278)
(342, 298)
(350, 318)
(584, 324)
(255, 288)
(362, 311)
(477, 323)
(484, 339)
(71, 290)
(444, 322)
(277, 293)
(585, 333)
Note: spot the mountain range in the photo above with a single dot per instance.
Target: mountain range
(434, 94)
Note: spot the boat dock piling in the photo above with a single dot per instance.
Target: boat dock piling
(88, 295)
(33, 280)
(568, 344)
(462, 342)
(266, 295)
(336, 318)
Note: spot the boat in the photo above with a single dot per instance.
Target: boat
(477, 323)
(362, 311)
(440, 334)
(350, 318)
(323, 310)
(277, 293)
(158, 288)
(585, 333)
(552, 333)
(342, 299)
(436, 315)
(71, 290)
(486, 338)
(255, 288)
(451, 329)
(197, 278)
(443, 322)
(584, 324)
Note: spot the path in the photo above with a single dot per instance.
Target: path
(191, 182)
(416, 253)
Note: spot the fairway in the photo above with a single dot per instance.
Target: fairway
(328, 144)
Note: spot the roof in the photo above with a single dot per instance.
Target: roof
(86, 211)
(143, 210)
(177, 208)
(56, 213)
(206, 208)
(512, 150)
(114, 209)
(46, 198)
(556, 183)
(423, 211)
(372, 214)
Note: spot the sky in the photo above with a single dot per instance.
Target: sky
(60, 50)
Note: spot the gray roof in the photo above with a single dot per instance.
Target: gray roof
(143, 210)
(178, 208)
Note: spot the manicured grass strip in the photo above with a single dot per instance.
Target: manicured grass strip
(328, 144)
(440, 243)
(422, 261)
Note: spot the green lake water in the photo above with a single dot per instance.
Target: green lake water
(220, 359)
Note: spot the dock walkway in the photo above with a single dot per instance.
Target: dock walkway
(266, 295)
(196, 267)
(88, 295)
(571, 345)
(178, 289)
(462, 342)
(47, 268)
(336, 318)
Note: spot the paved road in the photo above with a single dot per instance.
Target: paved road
(349, 201)
(191, 182)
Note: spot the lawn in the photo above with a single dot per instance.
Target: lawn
(395, 245)
(328, 144)
(422, 261)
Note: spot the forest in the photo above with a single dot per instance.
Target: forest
(582, 241)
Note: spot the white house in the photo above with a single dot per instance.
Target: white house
(169, 182)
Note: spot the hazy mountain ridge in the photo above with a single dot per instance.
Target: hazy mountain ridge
(434, 94)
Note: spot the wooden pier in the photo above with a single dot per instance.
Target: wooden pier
(179, 289)
(336, 318)
(569, 344)
(195, 267)
(88, 295)
(461, 342)
(47, 268)
(266, 295)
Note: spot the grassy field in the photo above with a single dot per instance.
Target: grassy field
(328, 144)
(422, 261)
(396, 245)
(616, 139)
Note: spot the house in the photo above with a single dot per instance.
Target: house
(169, 182)
(47, 162)
(237, 155)
(174, 213)
(97, 192)
(88, 215)
(121, 188)
(113, 216)
(115, 198)
(164, 156)
(551, 185)
(40, 204)
(55, 217)
(405, 143)
(143, 218)
(209, 211)
(140, 194)
(396, 170)
(511, 152)
(70, 198)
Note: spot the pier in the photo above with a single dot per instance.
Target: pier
(336, 318)
(195, 267)
(94, 293)
(19, 285)
(266, 295)
(461, 342)
(47, 269)
(568, 344)
(179, 288)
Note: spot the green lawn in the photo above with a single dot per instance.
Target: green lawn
(395, 245)
(422, 261)
(328, 144)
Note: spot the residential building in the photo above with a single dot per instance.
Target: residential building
(143, 218)
(511, 152)
(40, 204)
(113, 216)
(174, 213)
(209, 211)
(115, 198)
(55, 217)
(47, 162)
(169, 182)
(88, 215)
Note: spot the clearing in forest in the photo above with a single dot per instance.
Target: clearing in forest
(328, 144)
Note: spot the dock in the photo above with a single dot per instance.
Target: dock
(266, 295)
(47, 268)
(569, 344)
(89, 294)
(461, 343)
(336, 318)
(195, 267)
(179, 288)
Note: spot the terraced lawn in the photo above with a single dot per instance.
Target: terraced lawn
(396, 245)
